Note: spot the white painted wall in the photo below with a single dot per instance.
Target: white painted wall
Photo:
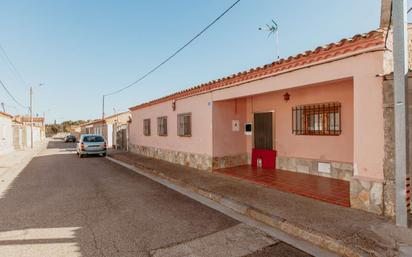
(36, 135)
(109, 135)
(6, 135)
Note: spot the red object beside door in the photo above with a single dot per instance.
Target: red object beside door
(268, 158)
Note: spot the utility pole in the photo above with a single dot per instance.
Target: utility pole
(401, 67)
(103, 108)
(31, 117)
(2, 106)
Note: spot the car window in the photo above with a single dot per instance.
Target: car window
(93, 139)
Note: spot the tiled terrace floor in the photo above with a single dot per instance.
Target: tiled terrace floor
(321, 188)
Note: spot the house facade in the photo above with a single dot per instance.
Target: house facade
(93, 127)
(15, 132)
(39, 129)
(113, 128)
(6, 133)
(320, 112)
(117, 130)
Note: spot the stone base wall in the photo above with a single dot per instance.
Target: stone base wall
(197, 161)
(230, 161)
(389, 147)
(389, 193)
(367, 195)
(339, 170)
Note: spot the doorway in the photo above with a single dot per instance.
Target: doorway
(263, 131)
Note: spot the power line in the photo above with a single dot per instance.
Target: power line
(13, 67)
(11, 96)
(175, 53)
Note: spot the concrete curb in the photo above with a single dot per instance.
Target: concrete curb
(320, 240)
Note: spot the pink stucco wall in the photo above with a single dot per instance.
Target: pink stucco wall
(331, 148)
(365, 140)
(227, 142)
(200, 142)
(368, 132)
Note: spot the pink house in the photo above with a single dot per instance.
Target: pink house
(321, 112)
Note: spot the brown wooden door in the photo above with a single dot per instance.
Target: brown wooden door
(263, 130)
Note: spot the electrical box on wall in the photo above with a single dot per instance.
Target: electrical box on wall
(248, 129)
(235, 125)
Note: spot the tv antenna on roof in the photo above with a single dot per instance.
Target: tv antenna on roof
(273, 29)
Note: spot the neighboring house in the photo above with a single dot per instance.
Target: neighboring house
(76, 130)
(19, 135)
(116, 130)
(320, 112)
(6, 133)
(93, 127)
(37, 121)
(113, 128)
(39, 129)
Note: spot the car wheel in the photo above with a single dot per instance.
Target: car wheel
(80, 155)
(104, 155)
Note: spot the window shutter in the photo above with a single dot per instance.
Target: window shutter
(162, 126)
(180, 125)
(146, 127)
(187, 122)
(184, 124)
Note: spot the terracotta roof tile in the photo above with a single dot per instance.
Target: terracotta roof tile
(91, 122)
(344, 46)
(5, 114)
(117, 114)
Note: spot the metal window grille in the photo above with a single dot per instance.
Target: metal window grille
(184, 123)
(162, 126)
(317, 119)
(146, 127)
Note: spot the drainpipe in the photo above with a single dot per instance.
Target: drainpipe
(400, 59)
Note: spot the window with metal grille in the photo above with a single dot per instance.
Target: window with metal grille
(184, 124)
(146, 127)
(162, 126)
(317, 119)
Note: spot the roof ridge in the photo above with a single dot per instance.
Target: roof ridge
(6, 114)
(116, 114)
(273, 67)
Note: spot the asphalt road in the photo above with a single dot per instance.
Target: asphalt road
(61, 205)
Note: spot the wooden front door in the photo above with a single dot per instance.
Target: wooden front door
(263, 133)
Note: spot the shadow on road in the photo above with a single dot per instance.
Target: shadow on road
(92, 207)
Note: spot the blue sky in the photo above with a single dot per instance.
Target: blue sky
(82, 49)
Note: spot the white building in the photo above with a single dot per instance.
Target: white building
(6, 133)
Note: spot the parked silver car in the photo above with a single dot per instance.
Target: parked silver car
(91, 144)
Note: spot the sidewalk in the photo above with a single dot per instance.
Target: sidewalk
(346, 231)
(13, 163)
